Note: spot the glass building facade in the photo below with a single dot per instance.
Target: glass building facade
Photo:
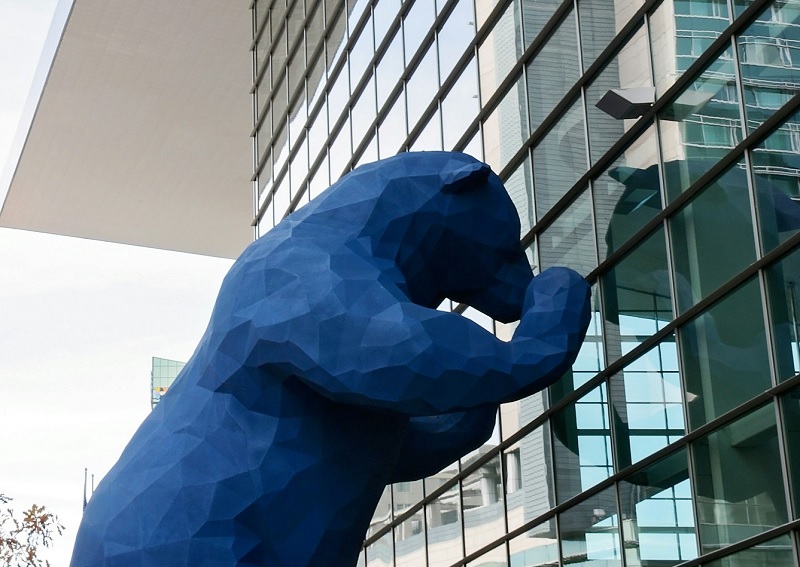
(162, 375)
(653, 146)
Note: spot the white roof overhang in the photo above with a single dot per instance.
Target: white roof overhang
(141, 134)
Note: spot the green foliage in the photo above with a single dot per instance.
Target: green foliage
(21, 539)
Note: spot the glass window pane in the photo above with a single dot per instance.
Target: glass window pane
(416, 24)
(340, 152)
(624, 73)
(430, 139)
(460, 105)
(380, 553)
(701, 125)
(553, 71)
(499, 52)
(627, 195)
(535, 15)
(582, 444)
(658, 512)
(537, 547)
(784, 303)
(769, 56)
(336, 40)
(362, 52)
(520, 188)
(384, 14)
(454, 37)
(421, 87)
(724, 353)
(776, 173)
(600, 21)
(776, 552)
(497, 557)
(712, 237)
(569, 241)
(392, 131)
(636, 295)
(589, 532)
(484, 509)
(528, 463)
(680, 32)
(389, 69)
(559, 159)
(731, 505)
(364, 112)
(790, 404)
(443, 520)
(409, 535)
(646, 404)
(504, 130)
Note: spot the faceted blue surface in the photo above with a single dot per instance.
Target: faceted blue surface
(326, 372)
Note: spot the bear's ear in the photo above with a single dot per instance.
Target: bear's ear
(464, 178)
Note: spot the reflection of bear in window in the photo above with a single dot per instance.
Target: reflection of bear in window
(326, 372)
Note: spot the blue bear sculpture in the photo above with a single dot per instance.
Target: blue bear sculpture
(327, 372)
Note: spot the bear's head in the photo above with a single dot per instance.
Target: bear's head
(447, 222)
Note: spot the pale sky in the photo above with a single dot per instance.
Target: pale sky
(79, 323)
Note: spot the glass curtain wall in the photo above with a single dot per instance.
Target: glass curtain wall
(653, 146)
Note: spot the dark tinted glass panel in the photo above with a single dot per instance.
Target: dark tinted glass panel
(776, 176)
(738, 484)
(712, 237)
(790, 404)
(783, 285)
(724, 353)
(776, 552)
(627, 194)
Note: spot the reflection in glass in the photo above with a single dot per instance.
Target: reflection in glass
(776, 172)
(443, 520)
(627, 195)
(657, 514)
(569, 241)
(383, 14)
(460, 105)
(422, 86)
(363, 113)
(430, 139)
(790, 405)
(361, 53)
(701, 125)
(484, 510)
(416, 24)
(520, 188)
(712, 237)
(496, 557)
(625, 71)
(528, 466)
(454, 37)
(553, 70)
(646, 404)
(600, 21)
(589, 532)
(559, 159)
(534, 17)
(636, 294)
(498, 53)
(776, 552)
(724, 354)
(769, 57)
(582, 444)
(738, 480)
(409, 535)
(537, 547)
(504, 130)
(380, 553)
(783, 281)
(680, 32)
